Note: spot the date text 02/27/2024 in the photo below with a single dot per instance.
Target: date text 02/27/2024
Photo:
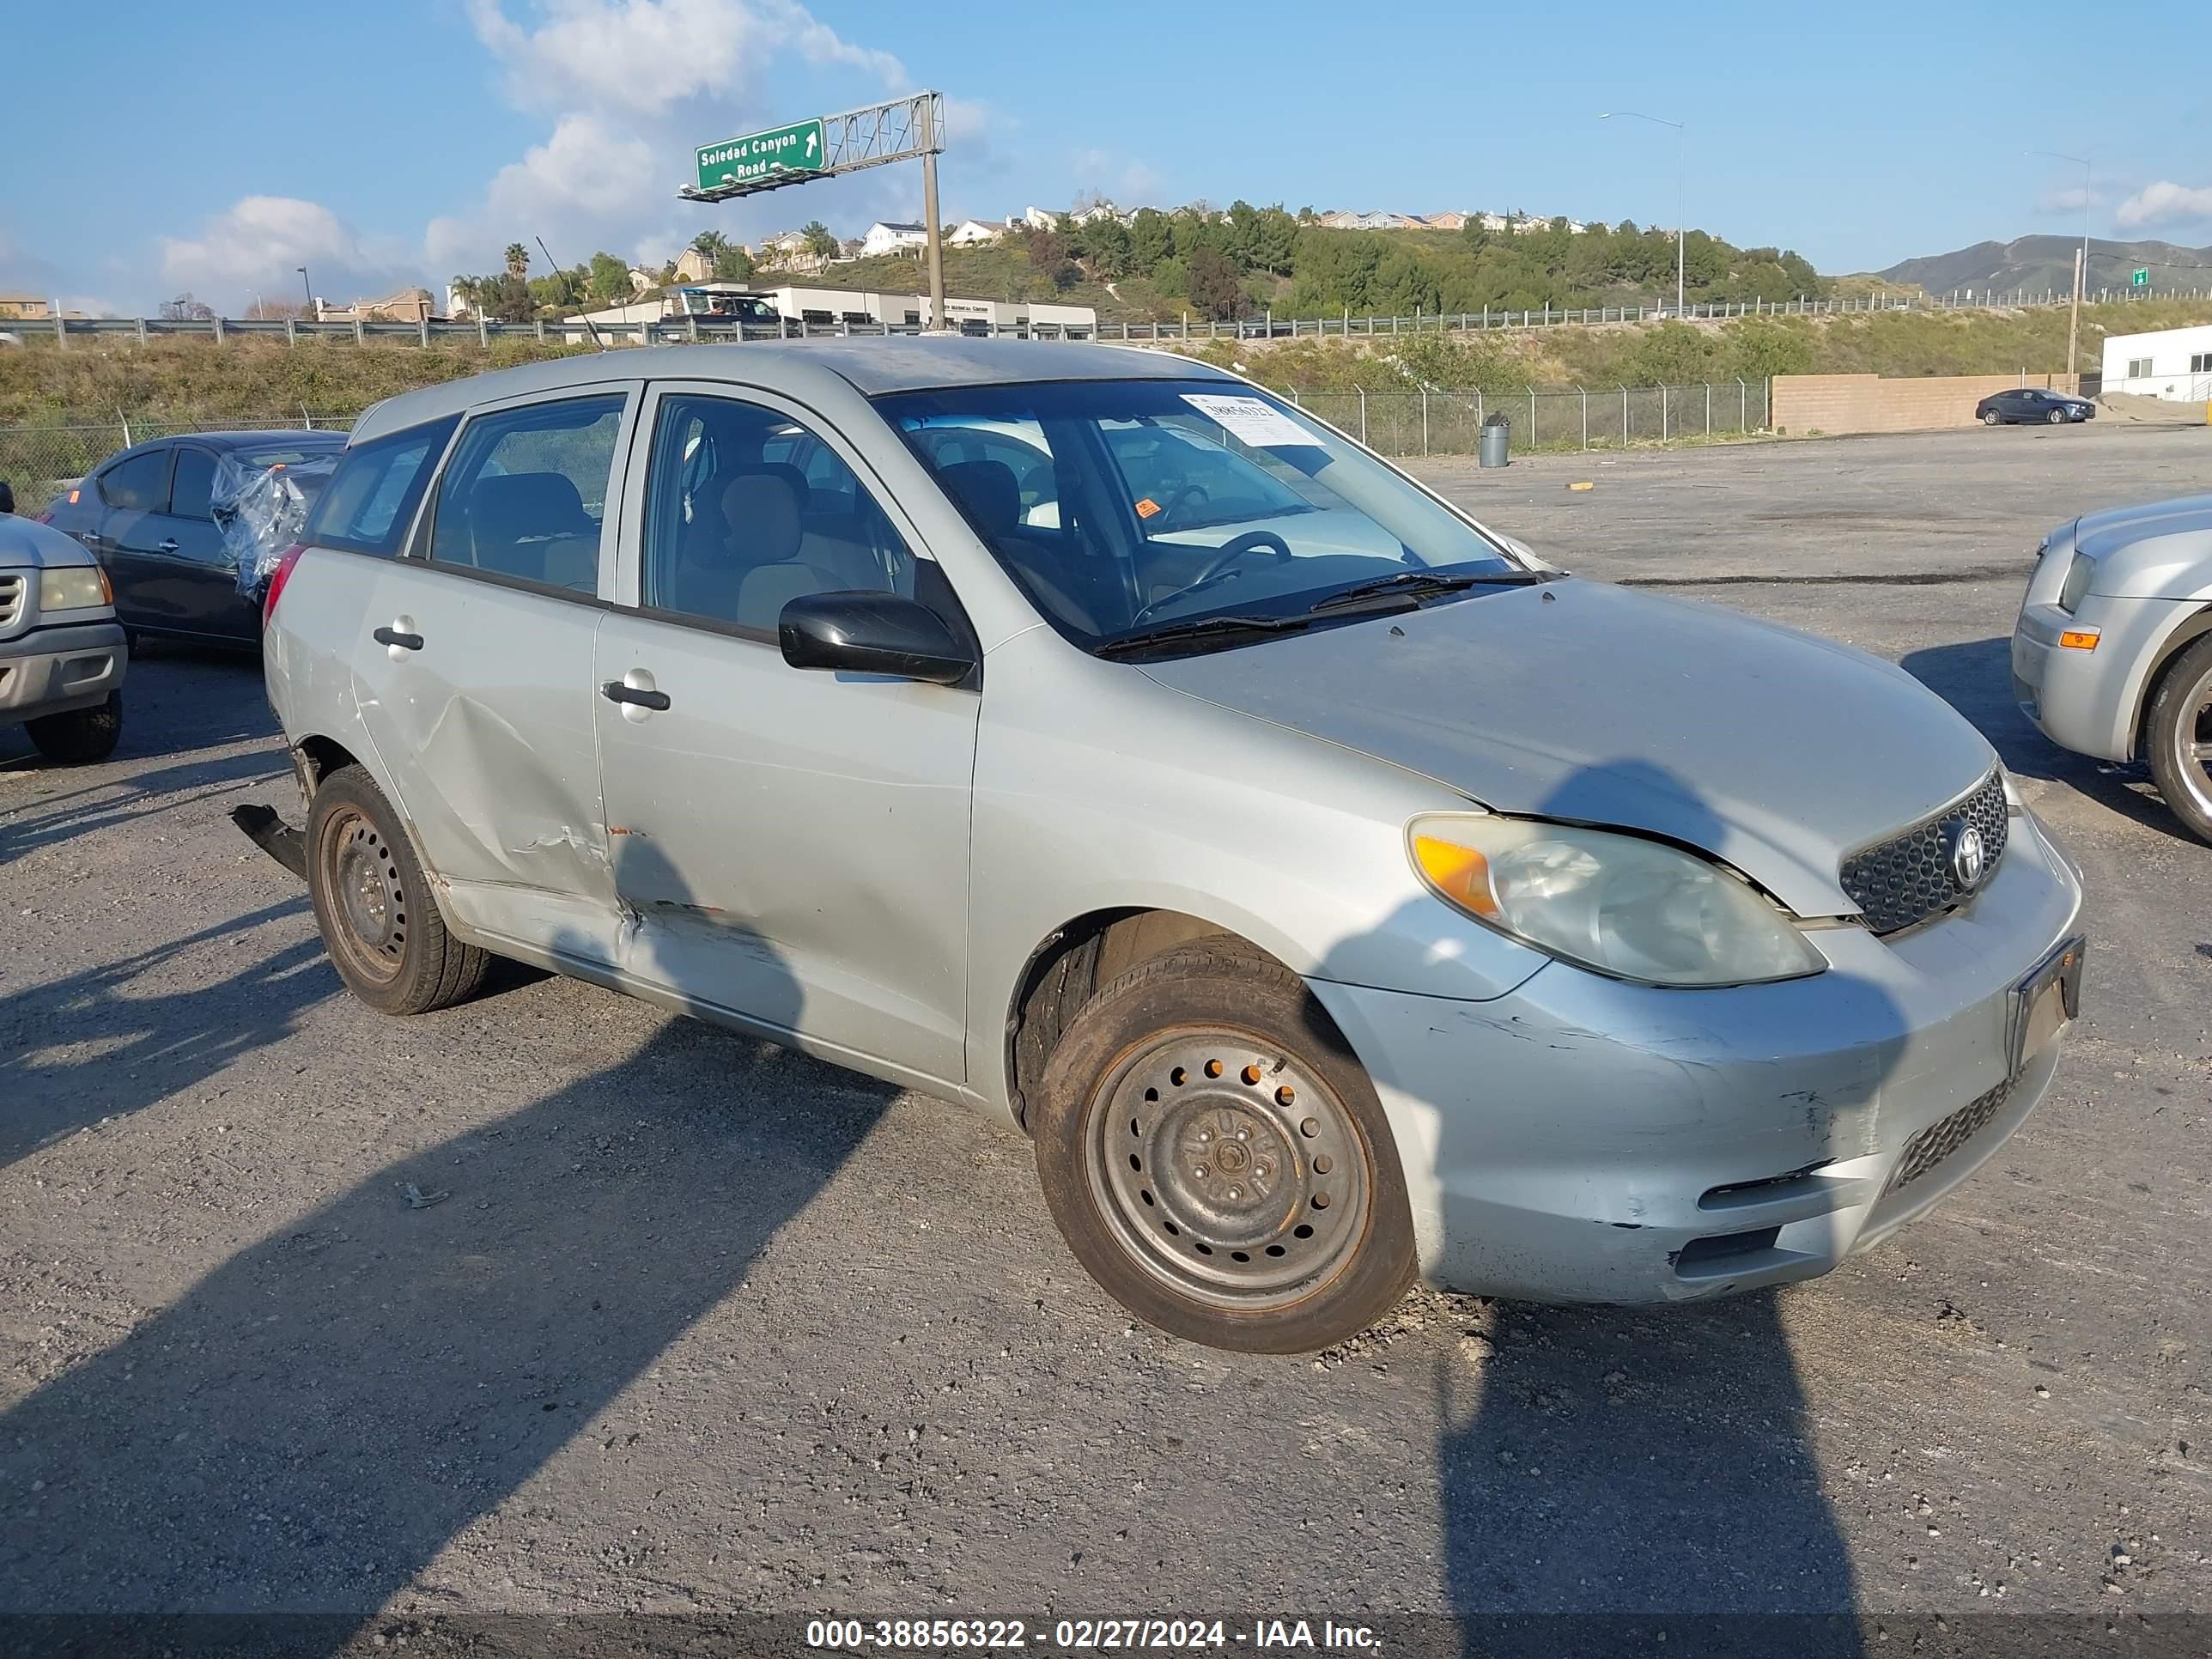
(1085, 1635)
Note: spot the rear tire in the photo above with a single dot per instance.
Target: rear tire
(1217, 1158)
(380, 921)
(2179, 725)
(82, 735)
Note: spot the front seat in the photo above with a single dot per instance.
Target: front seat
(991, 495)
(748, 518)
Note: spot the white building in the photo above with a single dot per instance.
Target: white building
(884, 237)
(2174, 363)
(973, 233)
(1101, 211)
(1033, 218)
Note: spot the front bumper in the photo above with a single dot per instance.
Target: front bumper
(55, 670)
(1582, 1139)
(2090, 700)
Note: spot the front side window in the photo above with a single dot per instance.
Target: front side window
(1119, 505)
(140, 484)
(748, 509)
(526, 493)
(371, 496)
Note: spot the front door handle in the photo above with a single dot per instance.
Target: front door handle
(637, 697)
(396, 640)
(168, 546)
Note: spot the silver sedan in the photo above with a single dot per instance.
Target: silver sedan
(2111, 656)
(1330, 890)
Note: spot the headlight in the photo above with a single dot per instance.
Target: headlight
(74, 588)
(1634, 908)
(2078, 576)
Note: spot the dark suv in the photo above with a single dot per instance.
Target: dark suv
(146, 514)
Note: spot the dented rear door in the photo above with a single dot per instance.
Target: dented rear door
(473, 671)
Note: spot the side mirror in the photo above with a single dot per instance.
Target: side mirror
(868, 633)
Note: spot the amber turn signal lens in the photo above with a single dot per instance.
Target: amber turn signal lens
(1460, 873)
(2082, 640)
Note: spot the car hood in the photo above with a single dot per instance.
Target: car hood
(27, 544)
(2100, 532)
(1776, 751)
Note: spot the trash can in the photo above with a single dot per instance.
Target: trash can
(1496, 434)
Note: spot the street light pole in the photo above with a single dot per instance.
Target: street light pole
(307, 288)
(1681, 225)
(2081, 263)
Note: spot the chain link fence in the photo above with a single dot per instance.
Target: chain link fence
(39, 462)
(1406, 424)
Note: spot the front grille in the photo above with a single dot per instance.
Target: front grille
(12, 589)
(1932, 1145)
(1907, 878)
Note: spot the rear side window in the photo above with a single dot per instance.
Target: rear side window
(373, 496)
(195, 481)
(140, 484)
(526, 492)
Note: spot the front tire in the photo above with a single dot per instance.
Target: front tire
(82, 735)
(380, 923)
(1217, 1158)
(2177, 731)
(1990, 417)
(2057, 417)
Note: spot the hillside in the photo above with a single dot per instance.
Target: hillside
(2038, 263)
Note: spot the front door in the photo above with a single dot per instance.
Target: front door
(474, 672)
(134, 505)
(198, 587)
(789, 846)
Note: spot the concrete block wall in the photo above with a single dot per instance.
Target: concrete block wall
(1805, 404)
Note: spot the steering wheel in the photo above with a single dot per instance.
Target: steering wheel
(1186, 493)
(1220, 565)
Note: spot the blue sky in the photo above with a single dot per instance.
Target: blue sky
(414, 139)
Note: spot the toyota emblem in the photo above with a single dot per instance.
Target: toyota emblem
(1968, 859)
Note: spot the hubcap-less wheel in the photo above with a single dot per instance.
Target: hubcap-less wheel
(1227, 1170)
(2058, 417)
(372, 905)
(2193, 744)
(1990, 419)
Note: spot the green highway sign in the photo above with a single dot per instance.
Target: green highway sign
(758, 155)
(2139, 279)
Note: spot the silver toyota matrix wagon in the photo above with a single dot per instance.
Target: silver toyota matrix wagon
(1330, 888)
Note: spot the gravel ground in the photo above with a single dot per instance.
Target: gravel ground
(690, 1323)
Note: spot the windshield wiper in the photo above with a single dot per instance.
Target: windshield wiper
(1197, 627)
(1417, 585)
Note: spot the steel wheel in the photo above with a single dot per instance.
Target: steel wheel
(1227, 1170)
(362, 875)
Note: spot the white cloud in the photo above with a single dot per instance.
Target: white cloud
(2162, 204)
(258, 243)
(590, 181)
(2068, 199)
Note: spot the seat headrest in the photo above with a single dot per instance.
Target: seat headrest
(762, 512)
(989, 492)
(514, 507)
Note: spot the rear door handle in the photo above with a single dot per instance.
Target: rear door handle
(168, 546)
(398, 640)
(616, 691)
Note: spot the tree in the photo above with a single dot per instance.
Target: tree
(821, 240)
(710, 246)
(517, 261)
(733, 265)
(1151, 238)
(185, 309)
(609, 279)
(1213, 290)
(468, 292)
(509, 299)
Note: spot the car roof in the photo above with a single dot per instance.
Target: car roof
(302, 437)
(870, 364)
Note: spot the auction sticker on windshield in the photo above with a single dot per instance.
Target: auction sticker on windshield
(1250, 419)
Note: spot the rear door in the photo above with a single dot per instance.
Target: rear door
(473, 669)
(132, 498)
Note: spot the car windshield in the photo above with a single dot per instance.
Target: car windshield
(1123, 505)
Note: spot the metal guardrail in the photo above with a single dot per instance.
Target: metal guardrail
(678, 329)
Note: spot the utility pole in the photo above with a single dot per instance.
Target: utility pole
(2081, 258)
(1681, 226)
(937, 318)
(306, 287)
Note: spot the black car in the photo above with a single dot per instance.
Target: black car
(2032, 402)
(147, 516)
